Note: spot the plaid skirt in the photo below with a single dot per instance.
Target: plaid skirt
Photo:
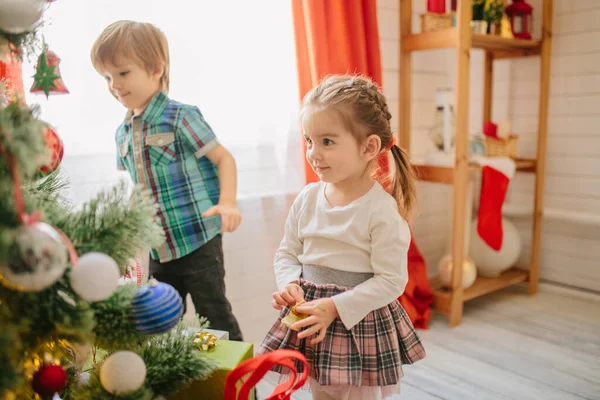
(370, 354)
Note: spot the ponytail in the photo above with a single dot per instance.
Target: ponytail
(402, 179)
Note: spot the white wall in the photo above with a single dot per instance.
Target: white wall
(570, 249)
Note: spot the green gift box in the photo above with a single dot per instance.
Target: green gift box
(227, 355)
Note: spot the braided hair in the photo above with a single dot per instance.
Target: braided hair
(365, 112)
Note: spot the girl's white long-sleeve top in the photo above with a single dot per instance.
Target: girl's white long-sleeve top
(367, 235)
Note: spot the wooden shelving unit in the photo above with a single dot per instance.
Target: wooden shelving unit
(450, 301)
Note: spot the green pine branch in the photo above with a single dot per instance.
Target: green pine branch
(113, 223)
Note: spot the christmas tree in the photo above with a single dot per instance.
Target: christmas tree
(68, 328)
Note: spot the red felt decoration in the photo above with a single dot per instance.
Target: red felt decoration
(49, 379)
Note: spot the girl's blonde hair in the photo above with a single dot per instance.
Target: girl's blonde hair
(142, 41)
(365, 112)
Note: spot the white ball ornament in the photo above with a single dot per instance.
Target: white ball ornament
(122, 372)
(18, 16)
(37, 258)
(445, 268)
(491, 263)
(95, 277)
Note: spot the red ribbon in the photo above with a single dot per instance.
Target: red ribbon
(258, 366)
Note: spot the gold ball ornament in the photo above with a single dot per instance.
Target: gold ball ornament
(445, 271)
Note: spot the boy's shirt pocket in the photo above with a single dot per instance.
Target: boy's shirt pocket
(161, 147)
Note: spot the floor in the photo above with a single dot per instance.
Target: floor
(509, 346)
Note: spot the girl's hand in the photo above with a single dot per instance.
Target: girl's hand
(322, 313)
(291, 294)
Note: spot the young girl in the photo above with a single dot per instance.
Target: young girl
(342, 262)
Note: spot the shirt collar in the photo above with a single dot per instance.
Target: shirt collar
(153, 110)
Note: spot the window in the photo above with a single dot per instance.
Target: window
(235, 60)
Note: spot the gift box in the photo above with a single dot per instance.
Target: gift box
(227, 355)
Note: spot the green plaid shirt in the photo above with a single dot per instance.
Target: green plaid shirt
(164, 151)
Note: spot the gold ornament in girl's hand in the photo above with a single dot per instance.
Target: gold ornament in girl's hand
(293, 316)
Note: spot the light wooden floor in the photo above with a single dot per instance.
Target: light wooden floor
(509, 346)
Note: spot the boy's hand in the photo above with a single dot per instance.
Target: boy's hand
(230, 216)
(291, 294)
(321, 313)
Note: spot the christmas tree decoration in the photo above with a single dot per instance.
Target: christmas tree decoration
(37, 258)
(49, 380)
(18, 16)
(48, 306)
(122, 372)
(156, 308)
(47, 78)
(56, 147)
(96, 277)
(11, 79)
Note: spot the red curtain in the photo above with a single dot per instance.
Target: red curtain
(335, 37)
(339, 37)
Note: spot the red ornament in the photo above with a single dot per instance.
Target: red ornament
(11, 78)
(519, 13)
(48, 380)
(55, 144)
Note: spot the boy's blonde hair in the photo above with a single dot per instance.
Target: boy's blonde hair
(142, 41)
(365, 112)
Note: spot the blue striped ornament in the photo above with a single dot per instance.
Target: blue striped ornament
(156, 308)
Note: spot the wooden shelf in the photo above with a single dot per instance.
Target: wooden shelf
(501, 47)
(443, 296)
(458, 169)
(432, 173)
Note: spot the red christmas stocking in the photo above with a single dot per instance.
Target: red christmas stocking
(496, 175)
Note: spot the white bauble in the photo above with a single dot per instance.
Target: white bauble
(95, 277)
(491, 263)
(122, 372)
(469, 273)
(38, 258)
(18, 16)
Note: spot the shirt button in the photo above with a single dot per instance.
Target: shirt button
(160, 141)
(139, 165)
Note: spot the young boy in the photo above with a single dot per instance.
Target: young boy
(168, 148)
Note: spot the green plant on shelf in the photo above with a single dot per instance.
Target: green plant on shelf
(493, 11)
(478, 6)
